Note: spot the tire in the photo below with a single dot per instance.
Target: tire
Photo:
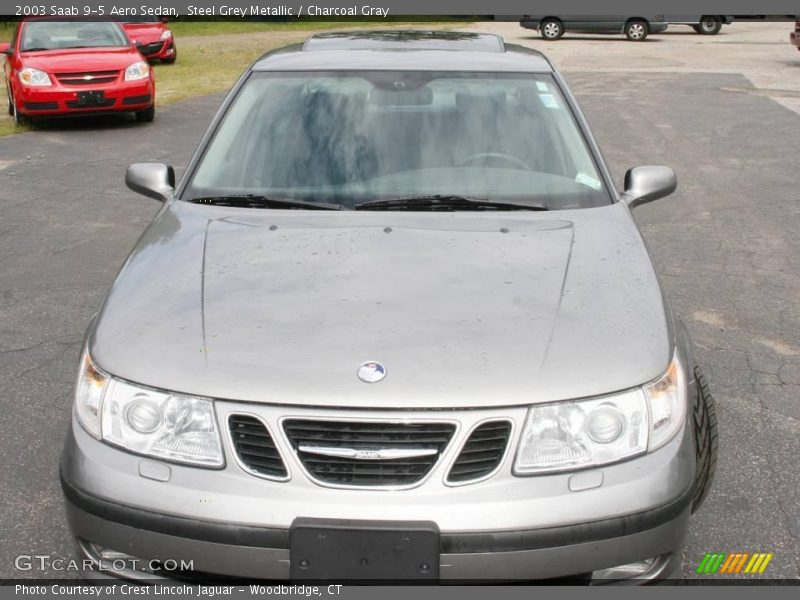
(147, 115)
(709, 25)
(637, 30)
(551, 29)
(171, 60)
(697, 28)
(706, 439)
(10, 105)
(19, 118)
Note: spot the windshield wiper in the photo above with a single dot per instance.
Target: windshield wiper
(444, 203)
(253, 201)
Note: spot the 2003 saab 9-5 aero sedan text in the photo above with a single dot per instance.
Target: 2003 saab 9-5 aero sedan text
(394, 323)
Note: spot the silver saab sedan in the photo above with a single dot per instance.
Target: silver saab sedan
(394, 324)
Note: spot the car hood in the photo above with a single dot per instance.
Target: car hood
(463, 309)
(82, 60)
(144, 33)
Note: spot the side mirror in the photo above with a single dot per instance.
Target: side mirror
(5, 48)
(644, 184)
(154, 180)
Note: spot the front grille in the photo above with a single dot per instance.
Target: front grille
(102, 104)
(41, 105)
(136, 100)
(482, 452)
(87, 78)
(255, 447)
(367, 438)
(153, 48)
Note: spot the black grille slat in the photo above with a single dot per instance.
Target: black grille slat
(368, 436)
(482, 452)
(255, 446)
(41, 105)
(152, 48)
(102, 104)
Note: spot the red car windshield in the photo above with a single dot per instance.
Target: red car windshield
(60, 35)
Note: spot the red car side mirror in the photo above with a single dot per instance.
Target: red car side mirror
(5, 48)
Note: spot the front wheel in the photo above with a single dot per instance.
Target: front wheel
(709, 25)
(704, 418)
(19, 118)
(147, 115)
(551, 29)
(10, 105)
(637, 31)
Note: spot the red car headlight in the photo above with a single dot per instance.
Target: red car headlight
(34, 77)
(136, 71)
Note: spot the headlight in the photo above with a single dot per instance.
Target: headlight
(166, 35)
(574, 435)
(587, 433)
(34, 77)
(169, 426)
(138, 70)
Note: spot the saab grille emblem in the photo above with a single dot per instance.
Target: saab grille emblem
(371, 372)
(88, 77)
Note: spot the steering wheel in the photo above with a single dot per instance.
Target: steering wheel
(518, 163)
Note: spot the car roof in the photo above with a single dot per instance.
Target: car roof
(405, 50)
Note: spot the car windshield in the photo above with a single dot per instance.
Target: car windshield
(350, 138)
(58, 35)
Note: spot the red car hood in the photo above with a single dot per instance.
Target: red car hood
(140, 33)
(83, 59)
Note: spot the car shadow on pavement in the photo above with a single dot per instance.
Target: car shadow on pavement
(85, 122)
(611, 37)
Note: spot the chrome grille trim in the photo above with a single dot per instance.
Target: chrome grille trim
(441, 453)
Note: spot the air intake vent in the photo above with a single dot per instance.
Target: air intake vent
(255, 447)
(482, 452)
(373, 454)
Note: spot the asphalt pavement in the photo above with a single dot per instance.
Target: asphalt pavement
(726, 246)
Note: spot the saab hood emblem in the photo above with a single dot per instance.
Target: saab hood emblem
(371, 372)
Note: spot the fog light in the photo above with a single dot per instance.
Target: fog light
(107, 559)
(629, 571)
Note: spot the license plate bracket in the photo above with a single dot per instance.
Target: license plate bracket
(355, 550)
(91, 98)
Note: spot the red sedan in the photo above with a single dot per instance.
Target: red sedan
(153, 38)
(57, 67)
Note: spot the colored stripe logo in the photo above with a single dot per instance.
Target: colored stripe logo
(734, 563)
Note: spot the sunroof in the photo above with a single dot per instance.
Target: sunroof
(405, 40)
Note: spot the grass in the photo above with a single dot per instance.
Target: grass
(206, 66)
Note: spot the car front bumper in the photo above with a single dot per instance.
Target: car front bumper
(231, 523)
(159, 49)
(64, 100)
